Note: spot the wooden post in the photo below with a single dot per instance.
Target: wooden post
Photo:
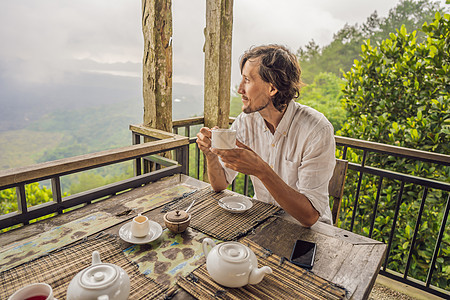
(218, 36)
(157, 65)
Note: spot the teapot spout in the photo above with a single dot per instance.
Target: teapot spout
(258, 274)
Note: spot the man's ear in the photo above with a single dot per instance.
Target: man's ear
(273, 90)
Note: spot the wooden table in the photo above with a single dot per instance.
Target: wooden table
(342, 257)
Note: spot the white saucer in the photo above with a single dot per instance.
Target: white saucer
(154, 232)
(235, 204)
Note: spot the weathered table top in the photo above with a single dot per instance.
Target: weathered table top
(342, 257)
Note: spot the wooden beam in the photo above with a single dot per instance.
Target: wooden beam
(157, 63)
(13, 177)
(218, 36)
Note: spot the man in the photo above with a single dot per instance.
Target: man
(288, 149)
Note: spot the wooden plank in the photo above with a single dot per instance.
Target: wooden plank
(188, 121)
(362, 255)
(157, 63)
(118, 205)
(82, 162)
(152, 132)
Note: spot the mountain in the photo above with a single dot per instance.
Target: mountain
(83, 114)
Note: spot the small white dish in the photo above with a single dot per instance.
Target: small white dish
(154, 233)
(235, 204)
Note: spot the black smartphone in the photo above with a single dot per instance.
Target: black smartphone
(303, 254)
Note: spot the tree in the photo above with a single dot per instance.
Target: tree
(324, 95)
(339, 55)
(398, 93)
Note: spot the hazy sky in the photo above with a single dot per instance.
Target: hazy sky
(44, 40)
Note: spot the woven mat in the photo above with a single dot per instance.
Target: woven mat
(208, 217)
(286, 282)
(59, 267)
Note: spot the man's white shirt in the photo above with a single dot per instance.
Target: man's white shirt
(301, 151)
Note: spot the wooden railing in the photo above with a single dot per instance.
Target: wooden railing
(182, 143)
(54, 170)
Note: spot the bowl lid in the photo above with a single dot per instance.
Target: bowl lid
(233, 252)
(177, 216)
(98, 276)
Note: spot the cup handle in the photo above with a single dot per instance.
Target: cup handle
(205, 243)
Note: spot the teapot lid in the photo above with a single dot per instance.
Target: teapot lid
(177, 216)
(98, 276)
(233, 252)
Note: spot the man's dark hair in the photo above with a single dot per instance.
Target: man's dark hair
(279, 67)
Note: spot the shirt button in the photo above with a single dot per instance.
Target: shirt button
(273, 145)
(271, 166)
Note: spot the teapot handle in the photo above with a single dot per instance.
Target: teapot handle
(205, 243)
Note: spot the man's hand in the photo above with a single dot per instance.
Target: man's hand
(204, 140)
(242, 159)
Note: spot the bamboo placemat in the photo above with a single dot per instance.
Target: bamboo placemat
(286, 282)
(208, 217)
(59, 267)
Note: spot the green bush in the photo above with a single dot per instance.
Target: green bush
(398, 93)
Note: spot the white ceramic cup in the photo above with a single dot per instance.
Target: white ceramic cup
(33, 291)
(140, 226)
(223, 138)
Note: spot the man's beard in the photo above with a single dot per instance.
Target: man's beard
(249, 110)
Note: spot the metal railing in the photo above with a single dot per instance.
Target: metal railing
(182, 143)
(398, 181)
(362, 169)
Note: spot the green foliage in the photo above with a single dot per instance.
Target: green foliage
(87, 130)
(324, 95)
(398, 93)
(35, 195)
(99, 177)
(235, 104)
(340, 54)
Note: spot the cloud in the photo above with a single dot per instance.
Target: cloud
(44, 40)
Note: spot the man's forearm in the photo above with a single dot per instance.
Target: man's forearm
(292, 201)
(216, 173)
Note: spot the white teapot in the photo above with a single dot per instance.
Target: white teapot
(233, 264)
(100, 281)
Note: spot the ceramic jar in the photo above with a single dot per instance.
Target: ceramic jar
(177, 221)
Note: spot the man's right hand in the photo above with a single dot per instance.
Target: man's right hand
(204, 141)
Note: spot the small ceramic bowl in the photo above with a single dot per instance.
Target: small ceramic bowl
(177, 221)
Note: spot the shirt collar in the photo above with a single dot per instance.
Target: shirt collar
(285, 123)
(283, 126)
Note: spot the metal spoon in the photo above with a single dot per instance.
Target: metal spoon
(227, 206)
(187, 209)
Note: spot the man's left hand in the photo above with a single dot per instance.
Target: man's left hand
(242, 159)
